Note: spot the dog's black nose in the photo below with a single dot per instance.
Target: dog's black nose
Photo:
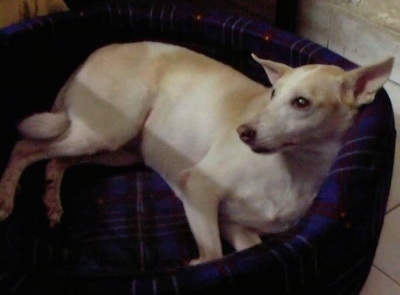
(246, 133)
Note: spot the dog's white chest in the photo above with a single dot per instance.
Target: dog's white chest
(268, 202)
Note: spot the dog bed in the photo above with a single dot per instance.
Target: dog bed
(123, 231)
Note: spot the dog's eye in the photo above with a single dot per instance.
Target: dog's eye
(272, 94)
(301, 102)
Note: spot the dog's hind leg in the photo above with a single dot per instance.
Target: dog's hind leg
(24, 153)
(56, 167)
(75, 143)
(54, 173)
(238, 236)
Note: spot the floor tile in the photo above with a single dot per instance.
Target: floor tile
(387, 257)
(379, 284)
(394, 196)
(393, 90)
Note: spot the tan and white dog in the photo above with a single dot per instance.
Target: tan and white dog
(244, 159)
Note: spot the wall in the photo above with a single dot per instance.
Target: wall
(364, 31)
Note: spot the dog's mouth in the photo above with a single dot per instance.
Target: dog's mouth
(260, 149)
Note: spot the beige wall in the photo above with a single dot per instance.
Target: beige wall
(382, 12)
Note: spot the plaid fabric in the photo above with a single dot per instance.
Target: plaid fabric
(123, 231)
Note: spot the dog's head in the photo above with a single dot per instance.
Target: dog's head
(310, 105)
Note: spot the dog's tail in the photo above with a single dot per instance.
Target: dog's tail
(44, 125)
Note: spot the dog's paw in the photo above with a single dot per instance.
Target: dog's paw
(6, 201)
(201, 260)
(196, 262)
(54, 215)
(53, 205)
(6, 207)
(54, 210)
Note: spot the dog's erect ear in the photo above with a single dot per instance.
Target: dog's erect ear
(274, 70)
(364, 82)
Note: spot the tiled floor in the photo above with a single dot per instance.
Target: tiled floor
(384, 278)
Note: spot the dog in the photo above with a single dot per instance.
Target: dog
(244, 159)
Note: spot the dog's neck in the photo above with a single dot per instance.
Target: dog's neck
(311, 163)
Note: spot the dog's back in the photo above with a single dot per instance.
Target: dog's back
(179, 100)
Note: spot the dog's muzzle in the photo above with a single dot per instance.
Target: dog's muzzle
(248, 135)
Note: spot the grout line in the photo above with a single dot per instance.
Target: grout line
(388, 276)
(328, 42)
(394, 82)
(392, 209)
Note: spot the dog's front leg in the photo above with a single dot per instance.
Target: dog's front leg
(203, 221)
(201, 207)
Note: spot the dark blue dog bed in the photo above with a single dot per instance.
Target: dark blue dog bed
(123, 231)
